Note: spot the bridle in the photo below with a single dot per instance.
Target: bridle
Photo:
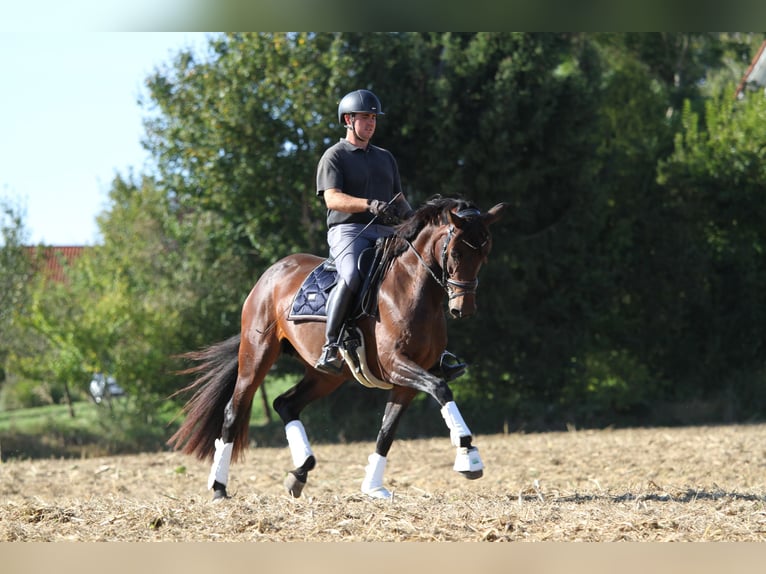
(453, 287)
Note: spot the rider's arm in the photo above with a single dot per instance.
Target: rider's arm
(339, 201)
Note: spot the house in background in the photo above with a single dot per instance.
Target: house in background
(52, 260)
(755, 76)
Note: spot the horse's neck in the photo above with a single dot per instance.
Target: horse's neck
(411, 275)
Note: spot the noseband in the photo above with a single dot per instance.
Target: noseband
(446, 282)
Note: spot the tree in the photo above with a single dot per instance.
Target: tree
(603, 281)
(568, 128)
(239, 134)
(157, 287)
(15, 271)
(715, 182)
(15, 267)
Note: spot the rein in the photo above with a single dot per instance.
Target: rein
(446, 282)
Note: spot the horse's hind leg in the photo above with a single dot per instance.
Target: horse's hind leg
(398, 401)
(302, 455)
(255, 360)
(289, 405)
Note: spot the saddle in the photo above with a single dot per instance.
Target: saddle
(310, 301)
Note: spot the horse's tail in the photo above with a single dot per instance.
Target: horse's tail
(216, 377)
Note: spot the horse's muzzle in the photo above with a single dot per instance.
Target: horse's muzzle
(462, 297)
(466, 308)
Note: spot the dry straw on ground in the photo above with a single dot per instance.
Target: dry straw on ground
(686, 484)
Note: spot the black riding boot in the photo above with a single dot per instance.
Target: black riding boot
(338, 304)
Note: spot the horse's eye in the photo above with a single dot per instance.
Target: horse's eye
(455, 255)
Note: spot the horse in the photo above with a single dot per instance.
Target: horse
(436, 253)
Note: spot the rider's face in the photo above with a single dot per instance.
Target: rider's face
(364, 124)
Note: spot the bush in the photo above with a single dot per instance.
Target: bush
(22, 394)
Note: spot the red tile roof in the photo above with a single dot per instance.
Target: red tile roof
(54, 259)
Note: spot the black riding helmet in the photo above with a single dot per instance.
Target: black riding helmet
(359, 102)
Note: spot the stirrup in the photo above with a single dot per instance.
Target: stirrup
(450, 367)
(329, 361)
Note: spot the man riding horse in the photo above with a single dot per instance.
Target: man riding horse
(436, 253)
(360, 185)
(361, 188)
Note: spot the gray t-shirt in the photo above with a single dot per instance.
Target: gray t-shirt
(371, 173)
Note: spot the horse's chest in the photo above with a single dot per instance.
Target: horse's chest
(422, 334)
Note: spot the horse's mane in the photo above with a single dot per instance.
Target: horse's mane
(433, 212)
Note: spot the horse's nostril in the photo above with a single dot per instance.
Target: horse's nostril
(456, 313)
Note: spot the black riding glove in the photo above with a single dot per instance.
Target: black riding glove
(385, 211)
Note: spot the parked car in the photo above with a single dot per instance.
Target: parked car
(104, 387)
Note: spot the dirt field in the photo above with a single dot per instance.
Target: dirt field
(688, 484)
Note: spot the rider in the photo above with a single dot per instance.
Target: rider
(360, 185)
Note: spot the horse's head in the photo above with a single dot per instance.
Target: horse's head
(465, 248)
(453, 249)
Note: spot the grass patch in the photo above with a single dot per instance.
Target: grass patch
(34, 419)
(117, 428)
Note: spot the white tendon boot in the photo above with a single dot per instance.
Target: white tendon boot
(467, 461)
(372, 485)
(298, 442)
(219, 472)
(455, 423)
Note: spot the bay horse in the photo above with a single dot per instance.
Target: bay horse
(437, 252)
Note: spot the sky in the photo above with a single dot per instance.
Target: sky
(70, 122)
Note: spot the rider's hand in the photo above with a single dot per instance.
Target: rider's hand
(385, 211)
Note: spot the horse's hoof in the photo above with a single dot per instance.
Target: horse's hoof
(468, 463)
(294, 485)
(380, 493)
(472, 474)
(219, 492)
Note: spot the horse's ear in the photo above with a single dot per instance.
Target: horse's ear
(455, 219)
(495, 213)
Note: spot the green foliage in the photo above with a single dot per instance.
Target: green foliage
(238, 135)
(715, 182)
(627, 272)
(15, 266)
(15, 272)
(19, 394)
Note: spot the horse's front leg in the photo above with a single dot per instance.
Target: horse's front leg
(408, 374)
(467, 460)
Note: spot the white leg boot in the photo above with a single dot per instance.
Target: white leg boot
(455, 423)
(219, 472)
(372, 485)
(467, 461)
(300, 449)
(302, 455)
